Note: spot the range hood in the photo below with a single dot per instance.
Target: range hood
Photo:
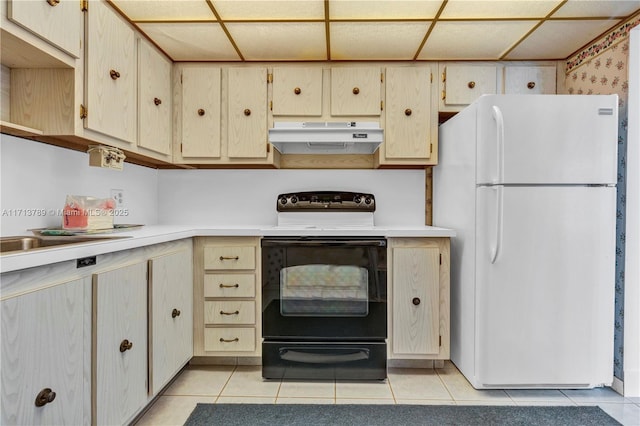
(349, 137)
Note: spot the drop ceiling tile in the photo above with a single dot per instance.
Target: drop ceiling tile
(482, 40)
(597, 8)
(559, 39)
(475, 9)
(269, 10)
(376, 40)
(388, 9)
(192, 41)
(303, 41)
(163, 10)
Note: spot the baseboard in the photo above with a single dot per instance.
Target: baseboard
(618, 385)
(631, 383)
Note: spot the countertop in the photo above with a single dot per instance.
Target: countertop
(156, 234)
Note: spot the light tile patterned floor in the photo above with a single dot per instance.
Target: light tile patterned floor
(446, 386)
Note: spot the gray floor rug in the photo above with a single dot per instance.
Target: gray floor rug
(347, 415)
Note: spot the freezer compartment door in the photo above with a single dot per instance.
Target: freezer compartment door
(545, 263)
(547, 139)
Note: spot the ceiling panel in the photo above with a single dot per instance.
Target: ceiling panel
(192, 41)
(559, 39)
(389, 9)
(473, 39)
(163, 10)
(235, 10)
(280, 41)
(597, 8)
(376, 40)
(475, 9)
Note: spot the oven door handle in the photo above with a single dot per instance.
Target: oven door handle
(323, 358)
(314, 243)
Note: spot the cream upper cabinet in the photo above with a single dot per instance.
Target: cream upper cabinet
(119, 342)
(462, 84)
(56, 21)
(529, 79)
(409, 116)
(355, 91)
(171, 316)
(154, 99)
(419, 298)
(200, 130)
(297, 91)
(247, 113)
(110, 95)
(42, 357)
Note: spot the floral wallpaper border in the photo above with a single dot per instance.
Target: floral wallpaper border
(596, 48)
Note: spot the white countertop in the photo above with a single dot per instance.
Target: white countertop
(155, 234)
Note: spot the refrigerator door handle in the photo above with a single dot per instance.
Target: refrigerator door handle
(497, 115)
(497, 246)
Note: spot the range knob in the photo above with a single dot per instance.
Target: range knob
(294, 199)
(283, 200)
(367, 200)
(357, 199)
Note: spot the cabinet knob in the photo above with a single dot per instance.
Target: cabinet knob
(236, 285)
(114, 74)
(471, 84)
(247, 112)
(356, 90)
(200, 112)
(175, 313)
(125, 345)
(157, 101)
(229, 340)
(45, 396)
(416, 301)
(531, 85)
(229, 313)
(408, 112)
(297, 91)
(53, 3)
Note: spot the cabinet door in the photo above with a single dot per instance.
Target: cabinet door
(530, 80)
(201, 112)
(42, 348)
(297, 91)
(408, 113)
(154, 99)
(58, 23)
(119, 344)
(247, 114)
(355, 91)
(171, 316)
(416, 301)
(110, 74)
(465, 83)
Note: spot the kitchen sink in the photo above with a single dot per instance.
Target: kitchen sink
(24, 243)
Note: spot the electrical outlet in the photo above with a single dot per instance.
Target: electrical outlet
(118, 196)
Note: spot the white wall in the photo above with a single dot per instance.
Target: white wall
(237, 197)
(36, 176)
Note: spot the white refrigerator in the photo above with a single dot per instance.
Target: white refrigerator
(528, 183)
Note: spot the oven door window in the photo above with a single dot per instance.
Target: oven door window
(324, 290)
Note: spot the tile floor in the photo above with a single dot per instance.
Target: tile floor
(244, 385)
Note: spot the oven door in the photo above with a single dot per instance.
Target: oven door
(324, 289)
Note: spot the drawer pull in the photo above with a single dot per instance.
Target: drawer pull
(175, 313)
(200, 112)
(44, 397)
(125, 345)
(52, 3)
(531, 85)
(297, 90)
(157, 101)
(471, 84)
(247, 112)
(356, 90)
(229, 340)
(408, 112)
(223, 258)
(229, 313)
(114, 74)
(236, 285)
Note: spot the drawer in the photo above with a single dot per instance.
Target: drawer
(230, 312)
(229, 285)
(230, 339)
(240, 257)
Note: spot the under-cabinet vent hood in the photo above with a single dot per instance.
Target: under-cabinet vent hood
(326, 137)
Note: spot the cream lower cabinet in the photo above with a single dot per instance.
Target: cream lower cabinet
(42, 357)
(119, 344)
(419, 298)
(170, 316)
(227, 309)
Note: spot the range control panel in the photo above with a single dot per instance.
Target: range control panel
(326, 201)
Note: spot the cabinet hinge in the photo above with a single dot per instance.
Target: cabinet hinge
(444, 75)
(268, 148)
(84, 5)
(381, 105)
(269, 78)
(381, 78)
(83, 112)
(440, 341)
(444, 95)
(430, 148)
(441, 258)
(180, 78)
(181, 148)
(270, 105)
(430, 77)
